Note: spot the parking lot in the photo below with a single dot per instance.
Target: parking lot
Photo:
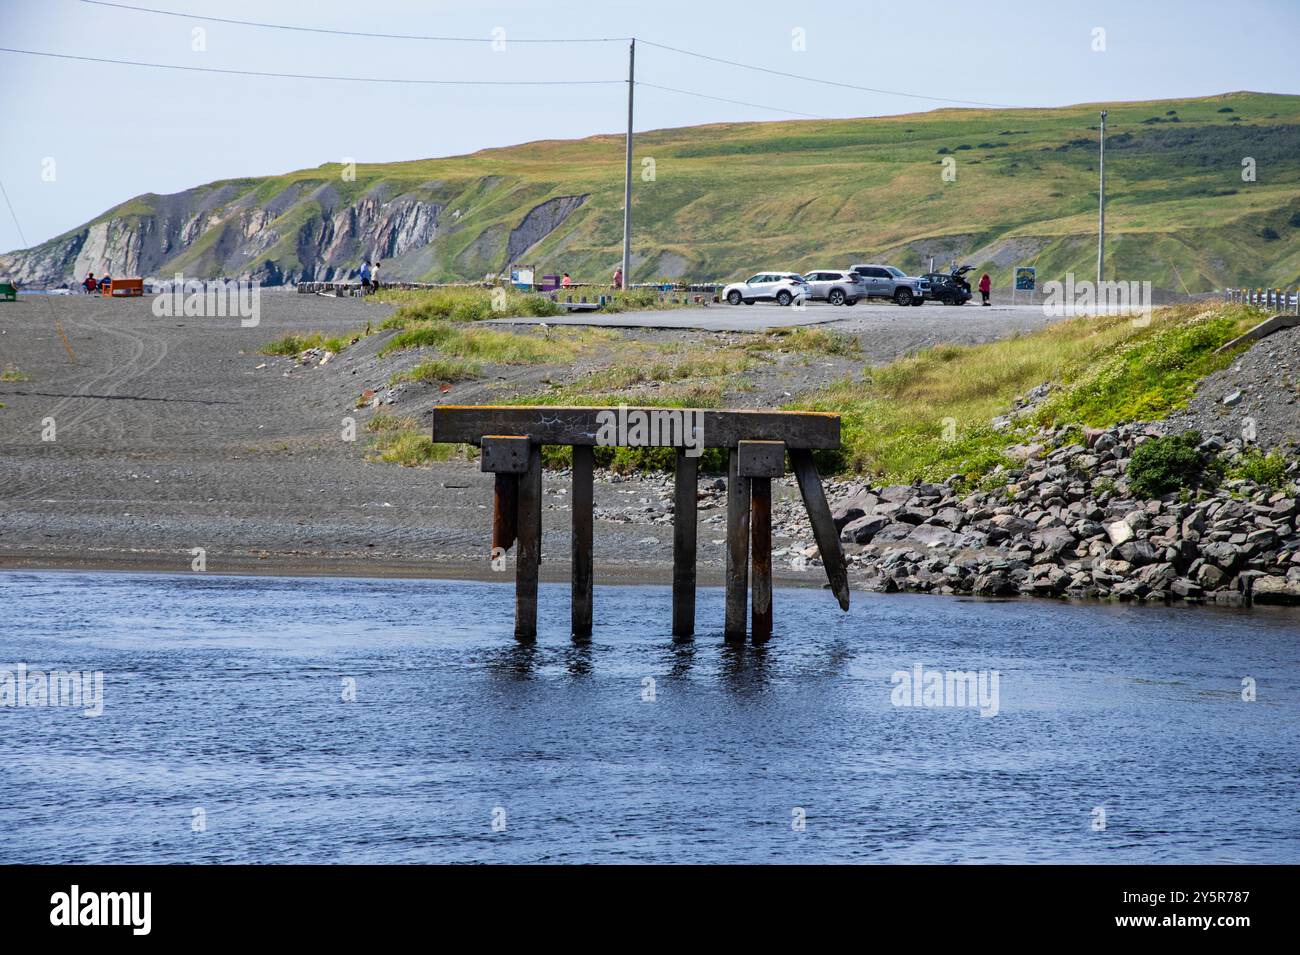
(930, 318)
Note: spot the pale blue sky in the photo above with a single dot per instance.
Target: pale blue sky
(163, 131)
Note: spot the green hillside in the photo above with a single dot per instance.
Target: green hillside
(727, 199)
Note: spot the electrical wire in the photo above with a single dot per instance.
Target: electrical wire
(824, 82)
(359, 33)
(736, 102)
(311, 76)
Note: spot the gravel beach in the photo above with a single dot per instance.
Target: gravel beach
(175, 433)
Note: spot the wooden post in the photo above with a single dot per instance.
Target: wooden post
(760, 461)
(828, 539)
(684, 532)
(530, 547)
(761, 526)
(737, 548)
(505, 511)
(583, 516)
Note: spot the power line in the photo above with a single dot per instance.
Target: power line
(479, 39)
(382, 36)
(312, 76)
(735, 102)
(815, 79)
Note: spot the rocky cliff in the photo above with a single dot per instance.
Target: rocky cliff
(307, 230)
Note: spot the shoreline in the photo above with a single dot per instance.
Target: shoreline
(557, 572)
(452, 569)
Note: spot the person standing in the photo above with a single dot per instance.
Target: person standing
(566, 281)
(365, 276)
(618, 277)
(985, 284)
(374, 278)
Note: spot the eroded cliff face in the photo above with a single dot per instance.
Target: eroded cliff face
(305, 231)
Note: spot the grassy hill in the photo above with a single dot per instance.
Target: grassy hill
(727, 199)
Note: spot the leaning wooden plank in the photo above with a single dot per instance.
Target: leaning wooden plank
(530, 547)
(690, 428)
(828, 540)
(761, 535)
(581, 501)
(737, 549)
(684, 535)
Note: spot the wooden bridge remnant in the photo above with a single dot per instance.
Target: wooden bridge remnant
(757, 442)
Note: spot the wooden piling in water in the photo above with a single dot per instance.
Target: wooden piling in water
(761, 536)
(580, 499)
(511, 437)
(759, 462)
(685, 516)
(737, 549)
(530, 547)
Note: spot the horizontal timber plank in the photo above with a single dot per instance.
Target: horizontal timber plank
(699, 428)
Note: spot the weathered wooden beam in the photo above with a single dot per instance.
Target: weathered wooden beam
(530, 547)
(505, 511)
(685, 515)
(580, 499)
(761, 458)
(652, 427)
(819, 513)
(761, 529)
(504, 454)
(737, 549)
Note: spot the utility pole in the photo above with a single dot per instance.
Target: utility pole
(627, 174)
(1101, 208)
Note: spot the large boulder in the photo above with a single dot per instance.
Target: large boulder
(1120, 532)
(861, 530)
(857, 506)
(1275, 590)
(1050, 541)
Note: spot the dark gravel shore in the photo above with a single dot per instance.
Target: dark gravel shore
(175, 433)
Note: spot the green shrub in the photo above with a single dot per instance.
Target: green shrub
(292, 345)
(1267, 469)
(1166, 464)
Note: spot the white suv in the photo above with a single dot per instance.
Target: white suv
(780, 287)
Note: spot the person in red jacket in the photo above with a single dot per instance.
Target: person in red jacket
(985, 284)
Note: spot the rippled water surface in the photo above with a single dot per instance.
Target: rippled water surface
(224, 694)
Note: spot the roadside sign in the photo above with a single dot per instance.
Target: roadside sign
(1026, 277)
(522, 277)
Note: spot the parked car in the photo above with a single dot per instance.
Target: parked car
(837, 286)
(885, 281)
(780, 287)
(951, 288)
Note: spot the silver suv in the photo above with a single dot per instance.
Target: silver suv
(836, 286)
(780, 287)
(885, 281)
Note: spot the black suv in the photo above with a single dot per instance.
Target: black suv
(951, 288)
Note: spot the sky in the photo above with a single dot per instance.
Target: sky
(79, 137)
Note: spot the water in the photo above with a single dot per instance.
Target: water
(223, 694)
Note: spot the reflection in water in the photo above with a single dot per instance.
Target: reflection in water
(224, 692)
(744, 671)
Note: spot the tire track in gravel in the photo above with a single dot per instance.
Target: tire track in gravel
(136, 365)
